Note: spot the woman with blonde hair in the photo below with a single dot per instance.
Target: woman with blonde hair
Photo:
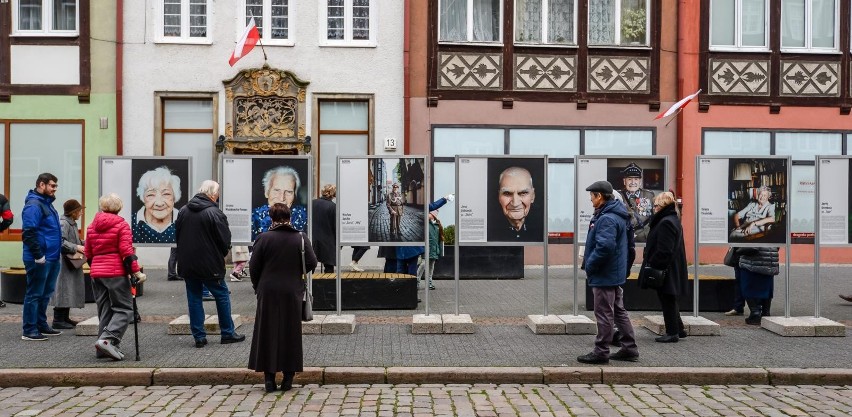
(665, 251)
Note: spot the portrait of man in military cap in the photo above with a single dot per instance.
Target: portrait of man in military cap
(638, 199)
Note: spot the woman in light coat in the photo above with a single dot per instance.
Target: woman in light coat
(71, 284)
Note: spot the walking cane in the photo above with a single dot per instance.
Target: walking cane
(128, 267)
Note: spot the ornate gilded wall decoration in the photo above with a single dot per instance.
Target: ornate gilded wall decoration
(545, 73)
(810, 79)
(619, 74)
(747, 78)
(265, 111)
(470, 71)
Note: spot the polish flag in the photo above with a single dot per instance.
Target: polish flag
(677, 106)
(246, 43)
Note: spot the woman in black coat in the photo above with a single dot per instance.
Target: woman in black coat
(323, 224)
(665, 250)
(276, 276)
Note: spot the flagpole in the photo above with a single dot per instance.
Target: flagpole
(670, 120)
(260, 42)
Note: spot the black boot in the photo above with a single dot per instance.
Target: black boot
(767, 304)
(269, 381)
(60, 315)
(287, 383)
(756, 312)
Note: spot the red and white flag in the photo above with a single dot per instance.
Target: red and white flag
(677, 106)
(250, 38)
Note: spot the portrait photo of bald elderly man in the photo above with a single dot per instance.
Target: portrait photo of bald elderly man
(516, 213)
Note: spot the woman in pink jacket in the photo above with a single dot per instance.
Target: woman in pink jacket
(109, 243)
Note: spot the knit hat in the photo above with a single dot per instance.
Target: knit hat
(71, 206)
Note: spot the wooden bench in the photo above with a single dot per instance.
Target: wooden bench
(716, 293)
(13, 285)
(366, 291)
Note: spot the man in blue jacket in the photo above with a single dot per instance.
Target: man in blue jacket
(605, 260)
(42, 237)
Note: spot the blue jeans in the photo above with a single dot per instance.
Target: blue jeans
(196, 306)
(407, 266)
(41, 282)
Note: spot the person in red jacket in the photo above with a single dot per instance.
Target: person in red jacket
(109, 242)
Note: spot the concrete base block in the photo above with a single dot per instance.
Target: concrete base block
(656, 324)
(342, 324)
(579, 324)
(314, 326)
(550, 324)
(460, 323)
(180, 325)
(423, 324)
(211, 323)
(88, 327)
(824, 327)
(790, 326)
(700, 326)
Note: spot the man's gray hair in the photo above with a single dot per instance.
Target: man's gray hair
(515, 171)
(154, 178)
(280, 171)
(209, 188)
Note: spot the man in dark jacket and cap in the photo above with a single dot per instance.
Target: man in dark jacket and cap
(203, 241)
(605, 261)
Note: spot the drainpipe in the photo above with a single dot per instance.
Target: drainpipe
(681, 72)
(406, 78)
(119, 65)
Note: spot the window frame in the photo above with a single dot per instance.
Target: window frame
(185, 38)
(469, 27)
(617, 43)
(808, 48)
(737, 46)
(267, 23)
(15, 235)
(47, 22)
(507, 131)
(347, 41)
(160, 130)
(545, 10)
(319, 98)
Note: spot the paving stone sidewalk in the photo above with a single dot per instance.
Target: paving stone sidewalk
(431, 400)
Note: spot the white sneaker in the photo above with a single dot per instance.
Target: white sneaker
(107, 348)
(355, 267)
(235, 277)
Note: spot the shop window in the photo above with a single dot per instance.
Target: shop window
(273, 19)
(35, 148)
(470, 20)
(546, 22)
(739, 25)
(618, 22)
(184, 21)
(344, 130)
(621, 142)
(347, 23)
(809, 25)
(188, 131)
(45, 17)
(736, 143)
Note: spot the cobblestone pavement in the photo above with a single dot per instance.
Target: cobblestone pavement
(411, 225)
(428, 400)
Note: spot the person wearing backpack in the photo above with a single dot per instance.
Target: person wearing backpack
(42, 238)
(6, 218)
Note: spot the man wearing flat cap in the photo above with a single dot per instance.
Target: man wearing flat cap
(605, 261)
(639, 201)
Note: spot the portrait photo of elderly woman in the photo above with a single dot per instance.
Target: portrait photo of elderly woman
(159, 192)
(280, 184)
(757, 204)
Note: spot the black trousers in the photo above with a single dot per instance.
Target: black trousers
(172, 272)
(671, 313)
(358, 252)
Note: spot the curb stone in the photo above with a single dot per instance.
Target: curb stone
(78, 377)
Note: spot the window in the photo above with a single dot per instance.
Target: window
(28, 158)
(347, 23)
(344, 130)
(618, 22)
(546, 22)
(809, 25)
(184, 21)
(45, 17)
(273, 19)
(561, 145)
(470, 20)
(803, 147)
(739, 24)
(188, 131)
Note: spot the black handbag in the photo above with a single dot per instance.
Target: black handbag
(74, 261)
(308, 300)
(732, 258)
(654, 278)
